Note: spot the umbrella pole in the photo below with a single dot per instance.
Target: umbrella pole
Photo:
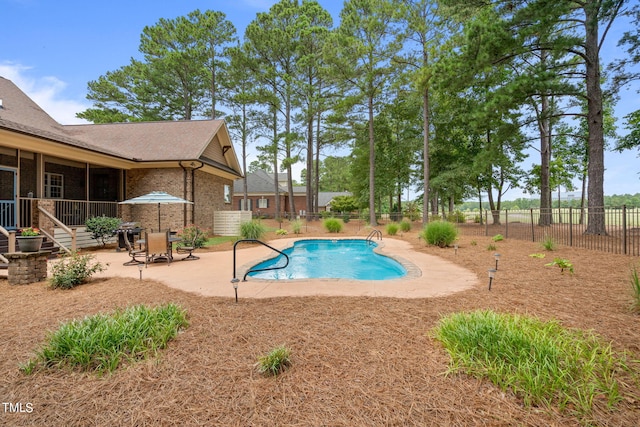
(158, 217)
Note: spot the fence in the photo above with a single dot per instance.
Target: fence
(567, 226)
(70, 212)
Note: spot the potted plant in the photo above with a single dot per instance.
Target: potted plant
(30, 239)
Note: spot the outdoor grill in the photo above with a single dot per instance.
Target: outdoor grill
(132, 229)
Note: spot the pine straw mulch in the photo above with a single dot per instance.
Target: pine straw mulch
(355, 361)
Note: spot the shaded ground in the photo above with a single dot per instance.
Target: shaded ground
(356, 361)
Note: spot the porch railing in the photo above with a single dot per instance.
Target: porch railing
(70, 212)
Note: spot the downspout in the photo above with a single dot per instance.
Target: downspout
(193, 192)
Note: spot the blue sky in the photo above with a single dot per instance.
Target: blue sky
(52, 49)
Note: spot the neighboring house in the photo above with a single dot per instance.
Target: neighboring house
(261, 195)
(78, 171)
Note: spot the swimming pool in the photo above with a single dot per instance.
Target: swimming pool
(346, 259)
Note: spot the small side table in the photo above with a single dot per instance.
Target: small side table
(27, 267)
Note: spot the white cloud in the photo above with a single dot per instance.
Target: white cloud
(47, 92)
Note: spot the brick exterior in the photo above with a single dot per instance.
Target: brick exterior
(209, 197)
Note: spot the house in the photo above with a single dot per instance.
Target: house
(261, 195)
(77, 171)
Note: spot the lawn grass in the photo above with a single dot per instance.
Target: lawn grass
(542, 362)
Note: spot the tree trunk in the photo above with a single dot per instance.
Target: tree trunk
(425, 130)
(545, 161)
(275, 163)
(372, 168)
(310, 172)
(595, 169)
(292, 204)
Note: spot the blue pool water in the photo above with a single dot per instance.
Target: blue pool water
(348, 259)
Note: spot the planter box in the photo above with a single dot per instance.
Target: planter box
(29, 243)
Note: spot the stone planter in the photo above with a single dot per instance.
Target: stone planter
(29, 243)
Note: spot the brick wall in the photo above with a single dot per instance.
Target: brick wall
(209, 197)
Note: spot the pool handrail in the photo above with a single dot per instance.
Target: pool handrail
(373, 233)
(244, 279)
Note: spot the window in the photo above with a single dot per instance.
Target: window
(263, 203)
(227, 193)
(53, 185)
(242, 205)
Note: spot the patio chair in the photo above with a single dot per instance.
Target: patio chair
(181, 249)
(157, 247)
(134, 253)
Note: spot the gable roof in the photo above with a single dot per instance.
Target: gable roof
(206, 141)
(257, 182)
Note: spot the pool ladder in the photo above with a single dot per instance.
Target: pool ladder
(374, 233)
(235, 280)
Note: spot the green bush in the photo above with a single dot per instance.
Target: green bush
(548, 243)
(73, 270)
(457, 217)
(333, 225)
(405, 226)
(281, 232)
(252, 230)
(439, 233)
(274, 362)
(498, 238)
(392, 228)
(491, 247)
(193, 236)
(296, 226)
(101, 342)
(635, 289)
(102, 227)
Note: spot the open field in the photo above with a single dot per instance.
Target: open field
(356, 361)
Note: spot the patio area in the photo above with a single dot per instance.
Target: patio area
(428, 275)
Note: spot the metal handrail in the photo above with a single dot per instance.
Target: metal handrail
(244, 279)
(374, 232)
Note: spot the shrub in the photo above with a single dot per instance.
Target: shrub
(405, 226)
(457, 217)
(274, 362)
(193, 236)
(474, 243)
(101, 342)
(476, 219)
(562, 264)
(635, 289)
(491, 247)
(439, 233)
(281, 232)
(346, 217)
(333, 225)
(296, 226)
(102, 227)
(548, 243)
(392, 228)
(252, 230)
(497, 238)
(73, 270)
(541, 362)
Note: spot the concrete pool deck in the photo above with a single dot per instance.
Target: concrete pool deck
(428, 275)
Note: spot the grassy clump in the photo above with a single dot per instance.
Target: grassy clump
(439, 233)
(548, 244)
(392, 228)
(252, 230)
(73, 270)
(498, 238)
(274, 362)
(333, 225)
(405, 226)
(635, 289)
(101, 342)
(539, 361)
(296, 226)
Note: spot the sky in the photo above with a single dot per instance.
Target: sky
(52, 49)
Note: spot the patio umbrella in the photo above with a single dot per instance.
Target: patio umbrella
(155, 197)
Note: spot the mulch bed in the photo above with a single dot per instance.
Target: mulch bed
(355, 361)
